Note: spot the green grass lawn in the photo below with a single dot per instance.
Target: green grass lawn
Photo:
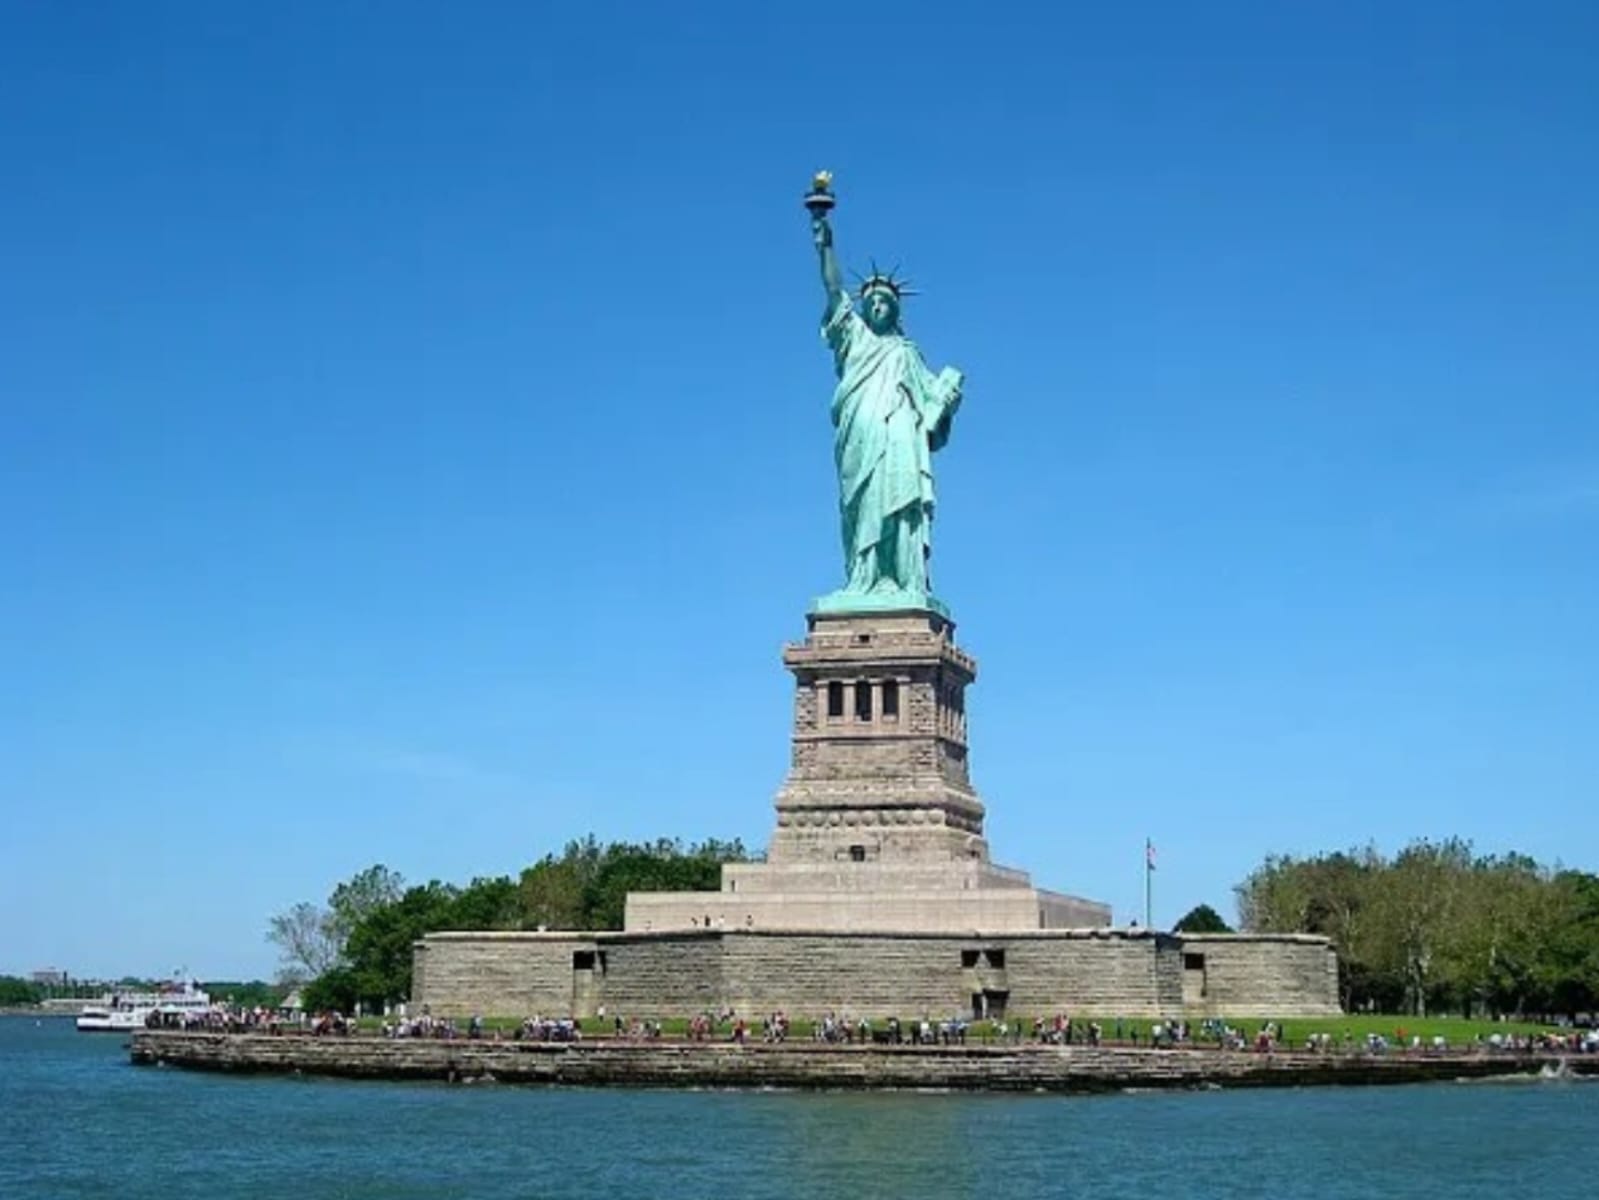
(1459, 1031)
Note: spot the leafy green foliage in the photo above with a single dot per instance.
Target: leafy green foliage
(379, 951)
(375, 920)
(1438, 927)
(254, 993)
(311, 939)
(1202, 919)
(332, 991)
(587, 886)
(362, 894)
(15, 992)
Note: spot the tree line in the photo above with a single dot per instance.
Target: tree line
(357, 946)
(16, 992)
(1434, 928)
(1439, 928)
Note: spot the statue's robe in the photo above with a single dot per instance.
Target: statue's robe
(889, 414)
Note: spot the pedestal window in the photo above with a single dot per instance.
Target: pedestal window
(835, 700)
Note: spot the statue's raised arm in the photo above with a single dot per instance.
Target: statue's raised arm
(820, 202)
(832, 277)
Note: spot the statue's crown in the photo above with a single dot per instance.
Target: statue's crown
(886, 281)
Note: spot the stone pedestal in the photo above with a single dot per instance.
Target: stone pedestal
(878, 825)
(879, 770)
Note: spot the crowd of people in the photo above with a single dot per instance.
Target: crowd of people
(1571, 1041)
(839, 1028)
(546, 1029)
(429, 1026)
(532, 1029)
(226, 1018)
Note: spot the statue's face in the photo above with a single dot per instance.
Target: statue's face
(880, 309)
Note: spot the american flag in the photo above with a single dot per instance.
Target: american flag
(1149, 854)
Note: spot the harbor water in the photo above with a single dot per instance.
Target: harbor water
(77, 1120)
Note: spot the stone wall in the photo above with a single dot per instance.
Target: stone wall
(928, 912)
(871, 875)
(670, 975)
(497, 974)
(1259, 975)
(1103, 973)
(1114, 975)
(881, 975)
(1059, 911)
(811, 1065)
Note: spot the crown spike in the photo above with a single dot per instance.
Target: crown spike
(887, 280)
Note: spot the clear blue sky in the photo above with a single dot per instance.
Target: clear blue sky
(415, 441)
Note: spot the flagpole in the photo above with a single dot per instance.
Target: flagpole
(1149, 875)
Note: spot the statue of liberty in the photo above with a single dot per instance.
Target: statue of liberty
(889, 414)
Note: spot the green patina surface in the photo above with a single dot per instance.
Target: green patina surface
(889, 413)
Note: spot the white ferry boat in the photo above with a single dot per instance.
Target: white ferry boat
(123, 1012)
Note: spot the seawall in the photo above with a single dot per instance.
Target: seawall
(812, 1065)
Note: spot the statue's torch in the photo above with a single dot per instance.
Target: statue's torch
(820, 199)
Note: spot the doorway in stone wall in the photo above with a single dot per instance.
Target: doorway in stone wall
(989, 1004)
(1193, 978)
(585, 985)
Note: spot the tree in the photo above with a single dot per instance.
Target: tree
(1506, 914)
(1275, 898)
(550, 893)
(361, 894)
(331, 991)
(253, 993)
(380, 946)
(307, 940)
(586, 888)
(1202, 919)
(486, 903)
(1437, 927)
(1417, 910)
(1568, 970)
(16, 992)
(363, 942)
(311, 940)
(662, 867)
